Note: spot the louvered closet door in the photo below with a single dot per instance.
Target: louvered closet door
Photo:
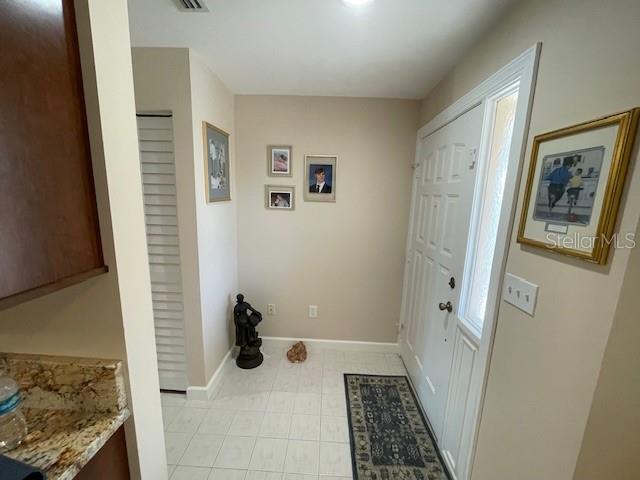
(155, 135)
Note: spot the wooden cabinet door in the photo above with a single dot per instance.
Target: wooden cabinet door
(49, 232)
(110, 463)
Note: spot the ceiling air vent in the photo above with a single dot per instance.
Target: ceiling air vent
(191, 5)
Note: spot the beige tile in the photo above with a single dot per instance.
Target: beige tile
(187, 421)
(305, 427)
(334, 429)
(227, 474)
(217, 422)
(334, 405)
(335, 459)
(173, 399)
(175, 445)
(308, 404)
(169, 413)
(268, 455)
(254, 475)
(287, 381)
(310, 383)
(190, 473)
(281, 402)
(246, 424)
(275, 425)
(202, 450)
(235, 452)
(302, 457)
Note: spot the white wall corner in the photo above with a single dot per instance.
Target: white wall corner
(110, 42)
(206, 393)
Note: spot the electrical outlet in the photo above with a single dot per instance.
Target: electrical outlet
(313, 311)
(520, 293)
(271, 309)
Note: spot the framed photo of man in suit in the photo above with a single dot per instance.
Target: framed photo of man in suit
(320, 178)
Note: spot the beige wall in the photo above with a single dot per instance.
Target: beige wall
(611, 442)
(109, 316)
(162, 83)
(544, 370)
(212, 101)
(177, 80)
(346, 257)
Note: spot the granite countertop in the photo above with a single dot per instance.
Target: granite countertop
(72, 407)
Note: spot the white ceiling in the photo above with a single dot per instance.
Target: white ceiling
(389, 48)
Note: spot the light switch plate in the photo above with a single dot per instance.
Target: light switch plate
(520, 293)
(313, 311)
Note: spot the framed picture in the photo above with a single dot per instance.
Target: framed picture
(574, 186)
(320, 178)
(216, 163)
(279, 197)
(279, 161)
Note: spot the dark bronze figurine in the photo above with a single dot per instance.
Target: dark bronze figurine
(246, 334)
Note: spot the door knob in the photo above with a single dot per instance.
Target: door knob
(446, 306)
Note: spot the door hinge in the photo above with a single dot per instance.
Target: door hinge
(473, 153)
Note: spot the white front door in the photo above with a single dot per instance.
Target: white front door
(441, 206)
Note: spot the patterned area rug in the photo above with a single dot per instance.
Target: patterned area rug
(389, 436)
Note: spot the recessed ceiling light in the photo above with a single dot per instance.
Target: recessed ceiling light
(356, 3)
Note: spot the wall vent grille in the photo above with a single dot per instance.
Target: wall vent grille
(191, 5)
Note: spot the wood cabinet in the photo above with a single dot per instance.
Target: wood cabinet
(49, 232)
(111, 461)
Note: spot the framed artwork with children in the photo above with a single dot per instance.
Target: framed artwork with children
(575, 182)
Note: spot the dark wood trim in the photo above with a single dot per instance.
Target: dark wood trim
(22, 297)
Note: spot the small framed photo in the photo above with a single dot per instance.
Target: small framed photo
(575, 182)
(320, 178)
(279, 161)
(216, 163)
(279, 197)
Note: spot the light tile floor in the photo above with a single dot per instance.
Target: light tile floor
(281, 421)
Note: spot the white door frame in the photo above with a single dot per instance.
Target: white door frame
(521, 71)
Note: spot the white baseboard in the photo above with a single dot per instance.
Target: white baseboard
(345, 345)
(205, 393)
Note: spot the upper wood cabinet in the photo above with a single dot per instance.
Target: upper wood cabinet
(49, 232)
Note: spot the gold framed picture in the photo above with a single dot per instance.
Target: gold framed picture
(574, 185)
(320, 178)
(216, 163)
(279, 161)
(279, 197)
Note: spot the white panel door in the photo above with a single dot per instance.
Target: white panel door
(155, 135)
(457, 418)
(442, 200)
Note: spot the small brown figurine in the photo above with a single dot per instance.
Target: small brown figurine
(297, 353)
